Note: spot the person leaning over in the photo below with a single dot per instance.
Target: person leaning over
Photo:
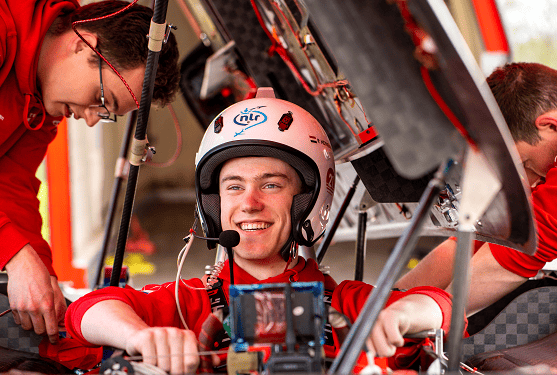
(527, 96)
(47, 72)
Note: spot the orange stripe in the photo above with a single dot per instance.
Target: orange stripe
(491, 27)
(58, 177)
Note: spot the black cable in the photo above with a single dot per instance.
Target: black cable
(159, 17)
(119, 179)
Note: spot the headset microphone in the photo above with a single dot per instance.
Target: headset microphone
(229, 239)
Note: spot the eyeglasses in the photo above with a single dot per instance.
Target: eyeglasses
(103, 113)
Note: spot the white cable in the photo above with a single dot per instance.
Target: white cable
(180, 262)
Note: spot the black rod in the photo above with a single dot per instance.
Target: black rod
(352, 346)
(118, 180)
(331, 233)
(361, 240)
(159, 17)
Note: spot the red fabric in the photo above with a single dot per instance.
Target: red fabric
(70, 353)
(23, 24)
(544, 199)
(156, 305)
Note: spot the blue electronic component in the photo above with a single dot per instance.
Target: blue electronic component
(258, 314)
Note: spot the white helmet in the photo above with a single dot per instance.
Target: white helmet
(266, 126)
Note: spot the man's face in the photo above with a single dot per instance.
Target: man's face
(256, 196)
(539, 158)
(74, 88)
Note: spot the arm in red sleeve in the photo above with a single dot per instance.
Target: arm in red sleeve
(20, 220)
(544, 198)
(156, 306)
(350, 296)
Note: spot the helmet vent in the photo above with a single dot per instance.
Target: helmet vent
(211, 209)
(298, 212)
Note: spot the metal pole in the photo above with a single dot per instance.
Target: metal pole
(118, 180)
(459, 291)
(352, 346)
(139, 142)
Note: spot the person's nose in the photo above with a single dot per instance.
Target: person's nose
(252, 200)
(91, 116)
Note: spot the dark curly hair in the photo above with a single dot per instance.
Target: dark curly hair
(122, 40)
(524, 91)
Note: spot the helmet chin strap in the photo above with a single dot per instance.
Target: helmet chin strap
(289, 251)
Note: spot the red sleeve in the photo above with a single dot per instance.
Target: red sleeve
(544, 198)
(350, 296)
(20, 220)
(155, 305)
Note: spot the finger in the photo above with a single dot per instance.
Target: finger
(191, 361)
(148, 350)
(38, 322)
(370, 348)
(59, 300)
(163, 349)
(215, 359)
(25, 320)
(177, 352)
(393, 334)
(51, 325)
(380, 343)
(15, 314)
(61, 313)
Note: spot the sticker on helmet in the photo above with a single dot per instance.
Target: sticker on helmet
(218, 124)
(285, 121)
(313, 139)
(249, 118)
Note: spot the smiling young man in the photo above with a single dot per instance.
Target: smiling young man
(47, 72)
(527, 96)
(272, 181)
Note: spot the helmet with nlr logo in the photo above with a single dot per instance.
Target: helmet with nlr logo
(269, 127)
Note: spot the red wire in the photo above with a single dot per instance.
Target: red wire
(276, 47)
(74, 27)
(339, 110)
(418, 35)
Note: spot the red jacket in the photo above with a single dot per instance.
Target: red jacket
(544, 198)
(157, 307)
(23, 24)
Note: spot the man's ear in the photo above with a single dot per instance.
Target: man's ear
(547, 123)
(77, 44)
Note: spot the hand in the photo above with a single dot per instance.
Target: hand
(35, 298)
(387, 333)
(172, 349)
(411, 314)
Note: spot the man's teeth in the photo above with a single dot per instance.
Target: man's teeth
(254, 226)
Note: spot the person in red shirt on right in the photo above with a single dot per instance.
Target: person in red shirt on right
(527, 96)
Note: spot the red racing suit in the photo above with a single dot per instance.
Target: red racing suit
(544, 201)
(23, 25)
(157, 307)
